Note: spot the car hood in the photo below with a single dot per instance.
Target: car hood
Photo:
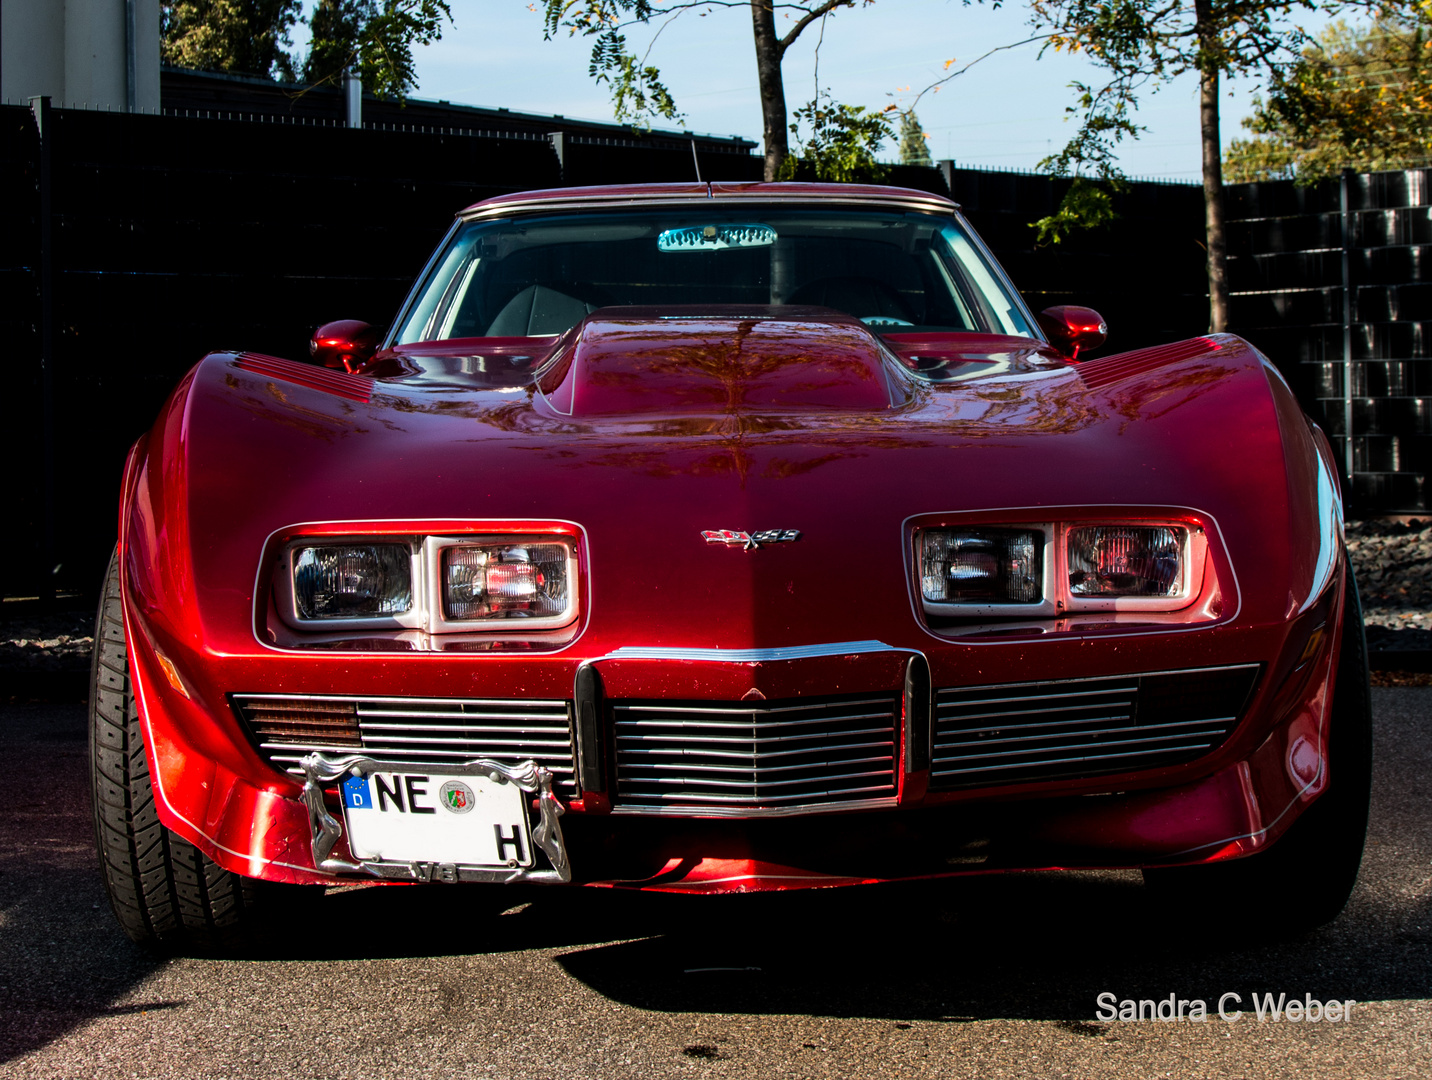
(648, 432)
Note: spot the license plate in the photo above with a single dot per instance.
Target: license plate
(470, 820)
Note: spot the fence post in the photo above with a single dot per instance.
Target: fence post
(45, 126)
(352, 100)
(1343, 202)
(558, 139)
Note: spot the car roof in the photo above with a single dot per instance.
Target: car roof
(578, 198)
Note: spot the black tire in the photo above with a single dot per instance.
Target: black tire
(167, 895)
(1304, 880)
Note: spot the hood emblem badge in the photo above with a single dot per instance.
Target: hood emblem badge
(749, 541)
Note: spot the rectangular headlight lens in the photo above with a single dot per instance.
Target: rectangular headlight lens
(1126, 560)
(982, 566)
(505, 581)
(352, 581)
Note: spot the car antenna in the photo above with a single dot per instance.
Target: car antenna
(695, 161)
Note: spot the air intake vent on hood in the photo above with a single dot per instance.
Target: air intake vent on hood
(352, 387)
(1111, 369)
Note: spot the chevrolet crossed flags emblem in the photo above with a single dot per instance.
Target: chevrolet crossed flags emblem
(749, 541)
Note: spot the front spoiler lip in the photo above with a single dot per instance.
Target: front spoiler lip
(325, 829)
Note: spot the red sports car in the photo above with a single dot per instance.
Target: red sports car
(726, 537)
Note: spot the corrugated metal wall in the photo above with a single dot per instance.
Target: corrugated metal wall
(1332, 282)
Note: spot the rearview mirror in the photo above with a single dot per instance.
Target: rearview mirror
(1072, 329)
(346, 344)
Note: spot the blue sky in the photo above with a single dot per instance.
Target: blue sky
(1007, 112)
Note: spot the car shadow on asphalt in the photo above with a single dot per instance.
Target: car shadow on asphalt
(1034, 946)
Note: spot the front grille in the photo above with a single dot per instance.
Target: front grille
(1084, 727)
(713, 755)
(444, 731)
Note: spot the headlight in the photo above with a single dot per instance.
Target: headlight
(1014, 570)
(513, 583)
(504, 581)
(1126, 560)
(982, 566)
(352, 581)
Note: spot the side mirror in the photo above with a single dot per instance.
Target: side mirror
(346, 344)
(1072, 329)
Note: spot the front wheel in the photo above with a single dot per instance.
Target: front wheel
(167, 894)
(1304, 880)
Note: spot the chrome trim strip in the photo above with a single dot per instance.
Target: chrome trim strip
(529, 776)
(419, 284)
(1100, 678)
(750, 656)
(758, 812)
(937, 204)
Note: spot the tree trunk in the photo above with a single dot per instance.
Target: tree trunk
(1213, 200)
(773, 90)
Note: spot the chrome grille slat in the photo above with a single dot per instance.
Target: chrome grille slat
(754, 741)
(760, 755)
(764, 783)
(1062, 722)
(1090, 757)
(733, 725)
(750, 755)
(1168, 740)
(1039, 712)
(1129, 689)
(390, 714)
(1084, 727)
(684, 767)
(442, 731)
(1080, 734)
(740, 710)
(837, 794)
(553, 727)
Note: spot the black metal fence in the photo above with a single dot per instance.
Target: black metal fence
(163, 237)
(1334, 281)
(133, 244)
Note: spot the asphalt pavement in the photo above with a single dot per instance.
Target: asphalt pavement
(984, 977)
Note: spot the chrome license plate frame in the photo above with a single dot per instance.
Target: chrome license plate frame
(482, 779)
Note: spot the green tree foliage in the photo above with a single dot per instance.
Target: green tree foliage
(840, 143)
(245, 37)
(1086, 205)
(337, 27)
(1359, 98)
(1144, 44)
(638, 92)
(374, 39)
(914, 143)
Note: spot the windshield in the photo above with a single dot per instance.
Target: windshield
(533, 276)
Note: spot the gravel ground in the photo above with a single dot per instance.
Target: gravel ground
(55, 642)
(1393, 562)
(990, 977)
